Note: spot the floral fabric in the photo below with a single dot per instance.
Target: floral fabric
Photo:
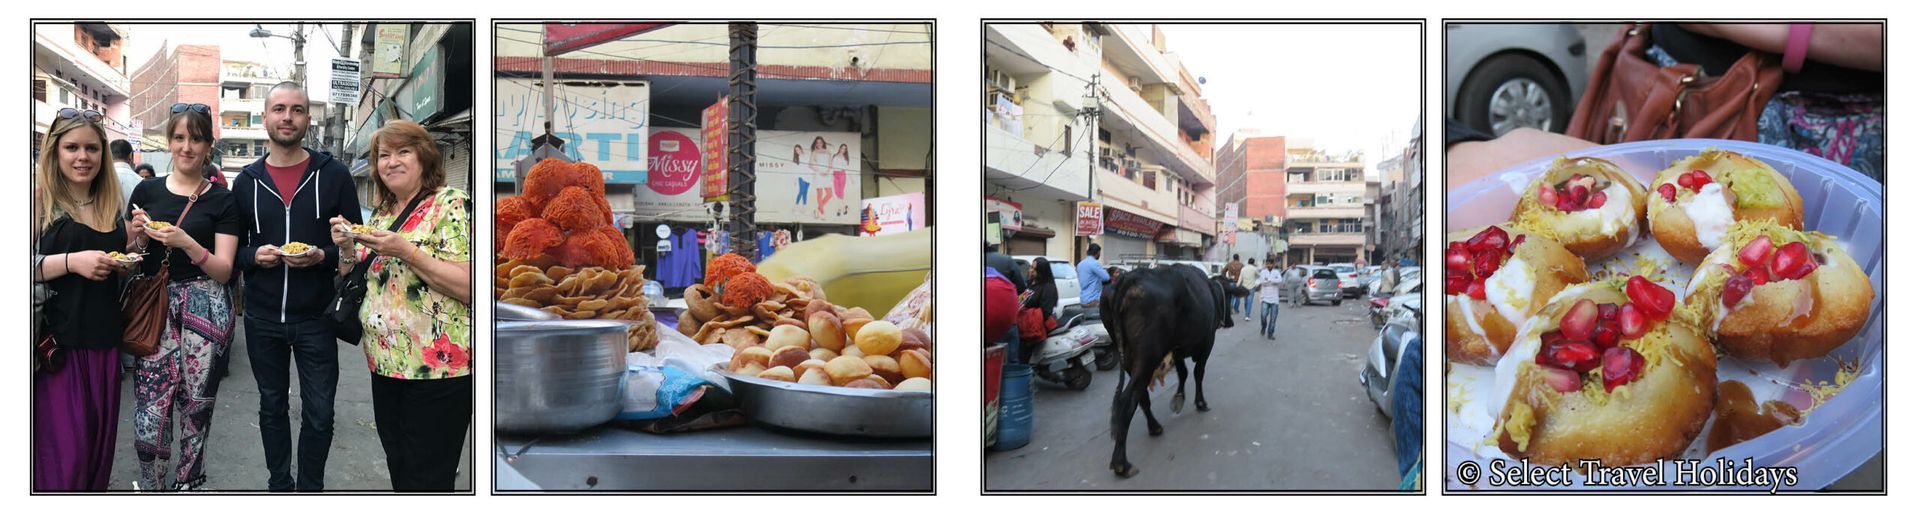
(413, 332)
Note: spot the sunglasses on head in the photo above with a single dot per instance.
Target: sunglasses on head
(199, 108)
(68, 113)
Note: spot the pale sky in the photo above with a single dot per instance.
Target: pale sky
(144, 40)
(1347, 87)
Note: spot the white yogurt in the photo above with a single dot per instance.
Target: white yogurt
(1510, 290)
(1711, 215)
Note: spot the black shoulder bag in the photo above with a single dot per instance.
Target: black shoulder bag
(350, 290)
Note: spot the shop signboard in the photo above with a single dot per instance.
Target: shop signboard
(389, 51)
(1010, 215)
(1086, 219)
(713, 144)
(892, 214)
(1131, 225)
(807, 177)
(673, 176)
(602, 124)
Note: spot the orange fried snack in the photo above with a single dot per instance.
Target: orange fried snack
(531, 238)
(746, 289)
(550, 176)
(724, 267)
(623, 252)
(585, 248)
(575, 209)
(508, 212)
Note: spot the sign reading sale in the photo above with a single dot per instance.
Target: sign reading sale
(1087, 219)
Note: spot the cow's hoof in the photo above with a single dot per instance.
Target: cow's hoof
(1126, 470)
(1179, 402)
(1202, 405)
(1154, 429)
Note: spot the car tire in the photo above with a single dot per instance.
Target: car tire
(1474, 105)
(1336, 302)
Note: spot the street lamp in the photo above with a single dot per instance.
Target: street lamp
(299, 49)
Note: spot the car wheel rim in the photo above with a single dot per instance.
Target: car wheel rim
(1518, 103)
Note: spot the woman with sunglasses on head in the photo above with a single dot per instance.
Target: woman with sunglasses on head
(76, 393)
(198, 250)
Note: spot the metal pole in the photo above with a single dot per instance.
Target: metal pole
(742, 41)
(336, 114)
(299, 55)
(1092, 114)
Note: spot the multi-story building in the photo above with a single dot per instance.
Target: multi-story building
(1151, 168)
(179, 74)
(419, 72)
(243, 96)
(844, 114)
(80, 65)
(1327, 217)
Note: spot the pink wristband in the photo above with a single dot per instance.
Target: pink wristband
(1798, 37)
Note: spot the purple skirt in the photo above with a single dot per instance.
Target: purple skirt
(76, 414)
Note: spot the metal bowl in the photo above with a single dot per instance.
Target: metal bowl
(833, 410)
(509, 312)
(557, 376)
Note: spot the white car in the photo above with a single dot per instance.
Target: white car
(1349, 280)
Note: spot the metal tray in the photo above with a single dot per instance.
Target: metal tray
(558, 376)
(833, 410)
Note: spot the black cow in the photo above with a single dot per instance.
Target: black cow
(1151, 314)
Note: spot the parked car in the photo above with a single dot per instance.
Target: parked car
(1065, 278)
(1349, 280)
(1501, 77)
(1323, 285)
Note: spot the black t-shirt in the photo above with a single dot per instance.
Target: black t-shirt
(82, 313)
(1715, 55)
(214, 213)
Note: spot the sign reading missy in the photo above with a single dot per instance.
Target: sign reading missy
(673, 176)
(604, 124)
(807, 177)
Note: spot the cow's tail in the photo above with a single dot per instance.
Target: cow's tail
(1110, 300)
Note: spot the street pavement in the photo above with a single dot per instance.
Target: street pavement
(1288, 414)
(235, 460)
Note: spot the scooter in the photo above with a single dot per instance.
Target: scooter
(1105, 355)
(1383, 357)
(1066, 356)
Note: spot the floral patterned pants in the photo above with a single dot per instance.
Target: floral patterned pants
(182, 378)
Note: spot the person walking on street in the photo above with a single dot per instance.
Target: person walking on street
(418, 314)
(1232, 274)
(1249, 279)
(1093, 277)
(123, 168)
(288, 196)
(180, 380)
(1270, 282)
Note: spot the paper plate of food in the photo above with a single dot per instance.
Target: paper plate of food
(1678, 314)
(124, 257)
(297, 248)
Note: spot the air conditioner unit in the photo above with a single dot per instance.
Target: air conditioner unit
(1133, 83)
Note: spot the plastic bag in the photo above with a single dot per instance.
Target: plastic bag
(661, 384)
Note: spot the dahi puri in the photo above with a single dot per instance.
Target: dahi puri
(1624, 390)
(1774, 293)
(1698, 198)
(1496, 277)
(1589, 205)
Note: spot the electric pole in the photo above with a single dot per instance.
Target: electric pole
(336, 116)
(742, 41)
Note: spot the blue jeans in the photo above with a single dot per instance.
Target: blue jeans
(1269, 317)
(801, 198)
(1250, 301)
(309, 344)
(1408, 392)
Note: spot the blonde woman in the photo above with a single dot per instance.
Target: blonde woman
(417, 315)
(179, 381)
(76, 392)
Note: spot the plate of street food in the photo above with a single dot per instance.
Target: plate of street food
(296, 248)
(124, 257)
(1722, 306)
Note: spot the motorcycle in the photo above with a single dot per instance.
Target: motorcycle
(1383, 357)
(1105, 355)
(1385, 304)
(1066, 356)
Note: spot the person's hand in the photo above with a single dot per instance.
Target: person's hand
(91, 264)
(341, 231)
(172, 236)
(137, 227)
(267, 256)
(1471, 160)
(310, 258)
(387, 243)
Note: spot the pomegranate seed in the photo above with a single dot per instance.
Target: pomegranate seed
(1597, 200)
(1477, 289)
(1792, 261)
(1685, 180)
(1633, 323)
(1487, 262)
(1667, 191)
(1548, 196)
(1621, 365)
(1758, 275)
(1701, 178)
(1457, 259)
(1515, 246)
(1579, 194)
(1606, 335)
(1562, 380)
(1578, 323)
(1456, 283)
(1574, 355)
(1737, 288)
(1755, 253)
(1567, 204)
(1654, 300)
(1609, 311)
(1491, 238)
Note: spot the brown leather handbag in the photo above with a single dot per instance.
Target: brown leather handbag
(1629, 98)
(144, 304)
